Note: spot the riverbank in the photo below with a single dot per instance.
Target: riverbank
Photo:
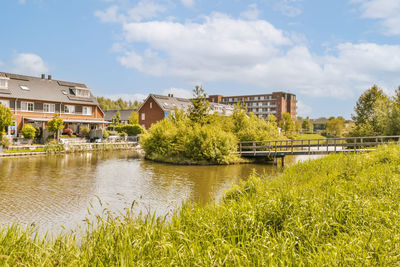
(18, 151)
(337, 210)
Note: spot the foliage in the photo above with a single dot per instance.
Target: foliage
(5, 118)
(134, 118)
(5, 141)
(199, 110)
(55, 125)
(129, 129)
(119, 104)
(105, 133)
(341, 210)
(116, 118)
(335, 126)
(187, 141)
(54, 146)
(306, 125)
(84, 131)
(28, 131)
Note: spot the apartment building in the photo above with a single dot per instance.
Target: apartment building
(35, 100)
(262, 105)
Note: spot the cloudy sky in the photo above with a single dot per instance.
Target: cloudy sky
(326, 52)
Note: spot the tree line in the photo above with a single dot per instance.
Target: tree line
(119, 104)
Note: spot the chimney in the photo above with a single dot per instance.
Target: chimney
(43, 76)
(49, 77)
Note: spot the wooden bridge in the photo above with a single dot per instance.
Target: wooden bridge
(281, 148)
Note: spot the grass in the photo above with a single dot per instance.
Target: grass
(338, 210)
(24, 150)
(309, 136)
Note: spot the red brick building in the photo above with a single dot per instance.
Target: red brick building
(158, 107)
(35, 100)
(262, 105)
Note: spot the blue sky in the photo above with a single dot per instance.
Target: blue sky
(326, 52)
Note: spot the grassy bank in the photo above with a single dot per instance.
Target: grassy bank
(338, 210)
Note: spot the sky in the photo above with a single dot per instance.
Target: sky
(326, 52)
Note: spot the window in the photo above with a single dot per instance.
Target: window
(24, 87)
(80, 91)
(87, 110)
(151, 104)
(261, 98)
(27, 106)
(3, 83)
(5, 102)
(69, 109)
(49, 108)
(143, 116)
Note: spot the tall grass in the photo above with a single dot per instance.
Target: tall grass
(338, 210)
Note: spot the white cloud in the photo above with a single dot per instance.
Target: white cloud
(289, 8)
(188, 3)
(254, 52)
(387, 11)
(29, 64)
(178, 92)
(303, 110)
(22, 2)
(251, 13)
(145, 9)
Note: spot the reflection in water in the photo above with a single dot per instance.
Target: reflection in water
(57, 190)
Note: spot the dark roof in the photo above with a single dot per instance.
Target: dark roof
(44, 90)
(109, 114)
(168, 104)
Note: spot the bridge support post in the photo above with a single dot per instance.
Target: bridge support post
(283, 161)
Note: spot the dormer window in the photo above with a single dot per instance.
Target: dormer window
(4, 82)
(80, 91)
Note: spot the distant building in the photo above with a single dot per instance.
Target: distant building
(158, 107)
(109, 114)
(35, 100)
(262, 105)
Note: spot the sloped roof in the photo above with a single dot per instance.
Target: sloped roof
(109, 114)
(168, 104)
(44, 90)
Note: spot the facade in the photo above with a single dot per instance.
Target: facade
(158, 107)
(262, 105)
(35, 100)
(109, 114)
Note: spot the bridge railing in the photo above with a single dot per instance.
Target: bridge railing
(313, 146)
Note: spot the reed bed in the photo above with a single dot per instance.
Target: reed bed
(338, 210)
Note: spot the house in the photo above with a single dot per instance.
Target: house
(124, 114)
(262, 105)
(35, 100)
(158, 107)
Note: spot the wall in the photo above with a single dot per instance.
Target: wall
(152, 115)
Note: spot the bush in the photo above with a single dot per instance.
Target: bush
(105, 133)
(28, 131)
(68, 131)
(5, 141)
(84, 131)
(129, 129)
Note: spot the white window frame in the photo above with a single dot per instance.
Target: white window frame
(151, 104)
(143, 116)
(5, 102)
(86, 110)
(69, 109)
(81, 91)
(51, 108)
(26, 108)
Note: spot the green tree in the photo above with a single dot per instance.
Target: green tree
(55, 125)
(287, 124)
(134, 118)
(5, 119)
(28, 131)
(335, 126)
(200, 108)
(306, 125)
(116, 119)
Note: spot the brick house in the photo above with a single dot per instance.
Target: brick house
(35, 100)
(158, 107)
(262, 105)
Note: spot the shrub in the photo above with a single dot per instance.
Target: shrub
(105, 133)
(68, 131)
(132, 129)
(5, 141)
(84, 131)
(28, 131)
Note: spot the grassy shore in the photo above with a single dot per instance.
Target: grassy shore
(338, 210)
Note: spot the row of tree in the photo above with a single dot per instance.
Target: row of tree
(119, 104)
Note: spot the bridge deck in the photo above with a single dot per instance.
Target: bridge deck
(281, 148)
